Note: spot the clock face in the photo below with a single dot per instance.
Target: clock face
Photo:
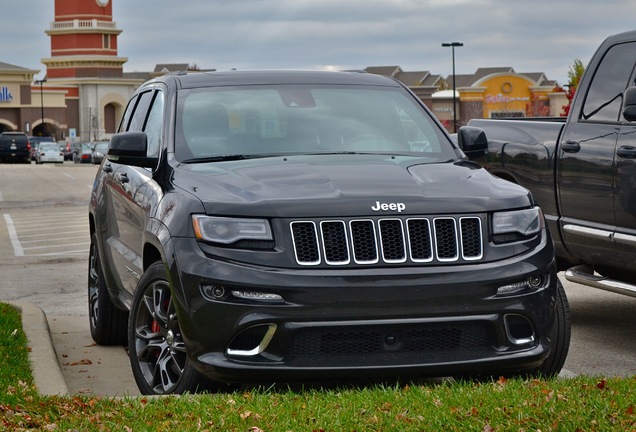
(102, 3)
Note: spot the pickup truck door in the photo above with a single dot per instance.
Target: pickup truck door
(625, 202)
(586, 161)
(625, 183)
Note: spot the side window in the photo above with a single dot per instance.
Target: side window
(154, 125)
(123, 126)
(605, 96)
(139, 115)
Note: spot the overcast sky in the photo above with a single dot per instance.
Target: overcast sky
(530, 36)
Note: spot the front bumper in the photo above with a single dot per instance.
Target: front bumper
(247, 323)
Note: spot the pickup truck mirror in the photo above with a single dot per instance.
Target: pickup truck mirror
(629, 104)
(130, 148)
(472, 140)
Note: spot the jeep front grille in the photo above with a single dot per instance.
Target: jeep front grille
(388, 240)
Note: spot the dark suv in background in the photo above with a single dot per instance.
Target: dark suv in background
(15, 147)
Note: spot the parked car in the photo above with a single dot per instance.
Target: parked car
(298, 225)
(15, 147)
(34, 150)
(83, 153)
(49, 152)
(100, 149)
(35, 144)
(67, 148)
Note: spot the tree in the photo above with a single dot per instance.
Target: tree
(537, 108)
(574, 76)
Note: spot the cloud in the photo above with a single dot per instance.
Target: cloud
(539, 36)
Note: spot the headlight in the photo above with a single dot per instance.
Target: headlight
(229, 230)
(518, 223)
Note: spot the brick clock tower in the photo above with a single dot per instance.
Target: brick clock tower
(83, 41)
(85, 65)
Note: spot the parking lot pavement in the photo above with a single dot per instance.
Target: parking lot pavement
(46, 232)
(86, 367)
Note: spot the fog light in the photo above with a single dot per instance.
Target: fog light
(258, 296)
(214, 292)
(535, 281)
(532, 282)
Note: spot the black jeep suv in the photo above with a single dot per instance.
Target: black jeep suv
(282, 226)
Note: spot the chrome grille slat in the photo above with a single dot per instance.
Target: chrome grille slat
(443, 239)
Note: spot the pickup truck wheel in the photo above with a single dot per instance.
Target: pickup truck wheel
(108, 324)
(560, 337)
(157, 351)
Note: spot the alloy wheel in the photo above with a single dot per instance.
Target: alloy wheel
(159, 347)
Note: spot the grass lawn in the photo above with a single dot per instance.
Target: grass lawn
(578, 404)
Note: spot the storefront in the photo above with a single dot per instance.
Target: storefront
(29, 107)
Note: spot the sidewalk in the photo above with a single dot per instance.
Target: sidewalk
(66, 361)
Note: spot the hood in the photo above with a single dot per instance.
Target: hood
(346, 185)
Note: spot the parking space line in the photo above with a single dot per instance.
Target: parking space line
(55, 246)
(64, 233)
(48, 217)
(59, 240)
(13, 236)
(82, 251)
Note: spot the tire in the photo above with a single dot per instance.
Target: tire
(560, 337)
(157, 351)
(108, 324)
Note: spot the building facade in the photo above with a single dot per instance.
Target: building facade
(488, 93)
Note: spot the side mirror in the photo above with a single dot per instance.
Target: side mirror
(629, 104)
(472, 140)
(130, 148)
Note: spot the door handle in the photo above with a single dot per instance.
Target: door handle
(627, 152)
(107, 168)
(571, 146)
(122, 177)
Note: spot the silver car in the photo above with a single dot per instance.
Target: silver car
(49, 152)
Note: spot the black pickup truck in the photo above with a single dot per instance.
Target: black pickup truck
(582, 169)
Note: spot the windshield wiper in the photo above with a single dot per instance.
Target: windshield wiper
(220, 158)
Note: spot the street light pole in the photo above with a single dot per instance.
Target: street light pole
(42, 81)
(452, 45)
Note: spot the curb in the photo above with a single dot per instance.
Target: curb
(47, 374)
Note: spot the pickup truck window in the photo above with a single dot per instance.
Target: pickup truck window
(604, 98)
(258, 121)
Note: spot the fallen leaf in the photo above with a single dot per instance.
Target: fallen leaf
(81, 362)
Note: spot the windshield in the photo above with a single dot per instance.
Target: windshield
(255, 121)
(49, 147)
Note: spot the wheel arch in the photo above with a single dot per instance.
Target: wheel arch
(151, 254)
(505, 176)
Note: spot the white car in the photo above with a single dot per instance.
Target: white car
(49, 152)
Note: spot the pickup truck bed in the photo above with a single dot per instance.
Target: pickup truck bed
(582, 170)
